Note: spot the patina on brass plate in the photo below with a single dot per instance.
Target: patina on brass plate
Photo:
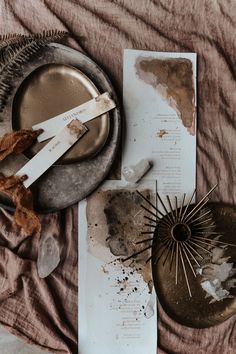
(33, 100)
(196, 311)
(53, 89)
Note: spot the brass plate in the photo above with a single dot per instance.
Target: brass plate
(196, 311)
(50, 90)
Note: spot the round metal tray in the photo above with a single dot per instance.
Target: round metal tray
(64, 184)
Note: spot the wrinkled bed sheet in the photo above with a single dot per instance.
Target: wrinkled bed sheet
(44, 312)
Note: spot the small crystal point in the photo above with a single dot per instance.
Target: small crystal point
(48, 256)
(134, 173)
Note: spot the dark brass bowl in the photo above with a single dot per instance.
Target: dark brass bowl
(196, 311)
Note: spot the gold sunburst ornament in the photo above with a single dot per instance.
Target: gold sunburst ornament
(182, 234)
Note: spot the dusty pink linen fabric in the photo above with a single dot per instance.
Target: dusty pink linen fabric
(40, 311)
(44, 312)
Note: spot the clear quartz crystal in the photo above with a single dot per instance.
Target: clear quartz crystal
(214, 289)
(149, 310)
(48, 256)
(134, 173)
(217, 276)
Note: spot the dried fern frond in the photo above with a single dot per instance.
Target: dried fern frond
(50, 35)
(13, 38)
(14, 56)
(5, 90)
(10, 39)
(7, 40)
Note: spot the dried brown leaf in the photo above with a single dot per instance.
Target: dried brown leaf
(17, 142)
(24, 216)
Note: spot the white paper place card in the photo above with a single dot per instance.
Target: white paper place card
(117, 303)
(63, 141)
(85, 112)
(160, 106)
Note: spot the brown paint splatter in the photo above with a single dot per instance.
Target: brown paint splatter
(77, 128)
(162, 133)
(119, 219)
(105, 271)
(173, 80)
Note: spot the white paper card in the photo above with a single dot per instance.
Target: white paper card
(62, 142)
(85, 112)
(160, 105)
(117, 312)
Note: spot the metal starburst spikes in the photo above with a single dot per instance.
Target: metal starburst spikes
(180, 235)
